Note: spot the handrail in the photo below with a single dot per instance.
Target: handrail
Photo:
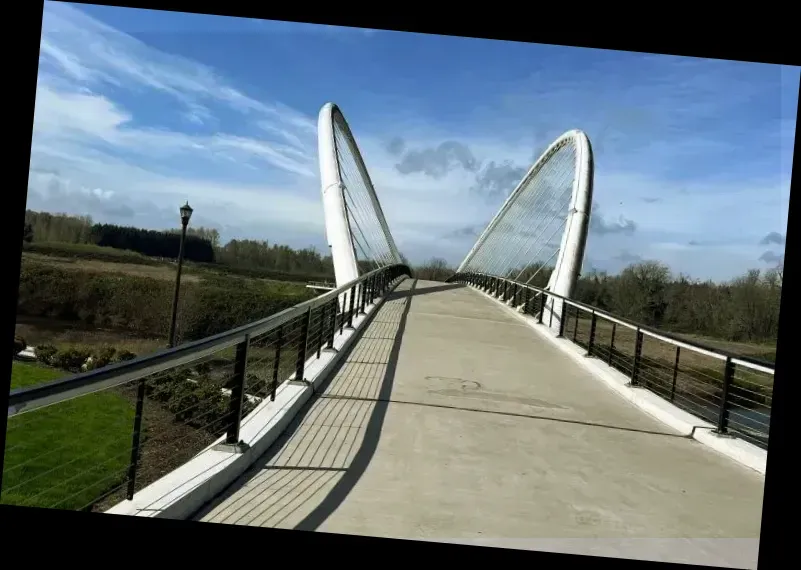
(731, 402)
(37, 396)
(672, 338)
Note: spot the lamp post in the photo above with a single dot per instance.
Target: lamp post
(186, 213)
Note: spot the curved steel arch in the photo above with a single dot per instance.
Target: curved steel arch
(337, 223)
(573, 243)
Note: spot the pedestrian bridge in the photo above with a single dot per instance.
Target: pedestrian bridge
(486, 410)
(452, 418)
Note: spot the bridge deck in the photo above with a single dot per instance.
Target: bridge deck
(452, 420)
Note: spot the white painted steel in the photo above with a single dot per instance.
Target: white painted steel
(338, 229)
(571, 251)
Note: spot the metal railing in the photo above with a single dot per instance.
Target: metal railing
(732, 392)
(88, 441)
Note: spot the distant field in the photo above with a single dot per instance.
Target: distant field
(162, 270)
(87, 251)
(108, 259)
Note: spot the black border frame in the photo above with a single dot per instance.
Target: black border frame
(746, 35)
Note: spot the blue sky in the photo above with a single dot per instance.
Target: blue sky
(138, 111)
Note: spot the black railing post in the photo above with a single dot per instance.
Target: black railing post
(320, 329)
(514, 294)
(277, 361)
(612, 343)
(237, 399)
(363, 298)
(542, 307)
(562, 314)
(303, 342)
(342, 313)
(590, 342)
(723, 417)
(527, 302)
(136, 438)
(352, 300)
(575, 324)
(635, 368)
(550, 317)
(334, 304)
(675, 373)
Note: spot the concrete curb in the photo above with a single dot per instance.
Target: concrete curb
(739, 450)
(183, 491)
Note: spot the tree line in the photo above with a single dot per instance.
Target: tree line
(202, 244)
(743, 309)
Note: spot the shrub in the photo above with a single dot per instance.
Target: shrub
(101, 357)
(45, 352)
(124, 355)
(19, 344)
(71, 358)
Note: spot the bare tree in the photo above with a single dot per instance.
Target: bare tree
(435, 269)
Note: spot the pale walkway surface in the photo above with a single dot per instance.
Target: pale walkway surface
(453, 420)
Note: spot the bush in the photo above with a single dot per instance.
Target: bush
(143, 305)
(19, 344)
(212, 310)
(101, 357)
(124, 355)
(45, 352)
(199, 403)
(71, 358)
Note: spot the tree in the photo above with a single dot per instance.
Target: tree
(27, 233)
(435, 269)
(641, 292)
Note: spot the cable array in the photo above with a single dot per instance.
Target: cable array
(540, 231)
(372, 243)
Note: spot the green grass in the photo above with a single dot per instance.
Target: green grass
(66, 455)
(27, 374)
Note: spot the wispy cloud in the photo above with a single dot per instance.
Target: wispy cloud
(123, 129)
(86, 139)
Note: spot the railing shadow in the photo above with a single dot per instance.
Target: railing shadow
(436, 289)
(329, 444)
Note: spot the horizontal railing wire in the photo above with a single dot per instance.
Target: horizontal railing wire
(91, 440)
(732, 392)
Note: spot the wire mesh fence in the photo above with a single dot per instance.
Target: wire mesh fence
(89, 441)
(734, 393)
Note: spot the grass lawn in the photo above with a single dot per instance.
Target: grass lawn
(69, 454)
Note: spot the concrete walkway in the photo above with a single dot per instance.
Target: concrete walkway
(451, 420)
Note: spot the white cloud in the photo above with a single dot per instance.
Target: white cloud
(261, 174)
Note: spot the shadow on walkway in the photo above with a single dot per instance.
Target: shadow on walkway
(315, 464)
(322, 437)
(435, 289)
